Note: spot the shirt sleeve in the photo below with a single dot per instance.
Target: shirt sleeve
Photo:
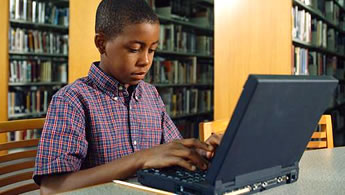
(63, 145)
(170, 131)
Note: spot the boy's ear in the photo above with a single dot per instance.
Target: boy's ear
(100, 42)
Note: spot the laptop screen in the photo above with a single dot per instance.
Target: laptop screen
(271, 125)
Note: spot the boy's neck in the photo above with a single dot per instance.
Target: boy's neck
(102, 68)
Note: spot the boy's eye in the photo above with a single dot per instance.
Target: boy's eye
(133, 50)
(151, 50)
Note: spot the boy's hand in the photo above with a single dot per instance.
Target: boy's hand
(179, 152)
(213, 141)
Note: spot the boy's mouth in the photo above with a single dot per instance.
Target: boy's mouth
(138, 75)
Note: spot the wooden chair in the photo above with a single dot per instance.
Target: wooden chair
(16, 169)
(324, 137)
(207, 128)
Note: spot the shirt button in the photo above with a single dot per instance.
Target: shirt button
(130, 107)
(135, 143)
(120, 88)
(115, 98)
(136, 98)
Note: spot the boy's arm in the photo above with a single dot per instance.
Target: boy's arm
(180, 153)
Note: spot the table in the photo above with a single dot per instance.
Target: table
(321, 172)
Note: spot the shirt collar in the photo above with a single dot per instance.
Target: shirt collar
(107, 83)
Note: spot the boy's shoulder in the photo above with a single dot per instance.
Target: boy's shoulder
(77, 88)
(149, 88)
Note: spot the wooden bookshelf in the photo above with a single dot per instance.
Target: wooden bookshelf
(82, 50)
(317, 13)
(177, 53)
(4, 17)
(161, 85)
(251, 37)
(53, 83)
(325, 60)
(37, 54)
(185, 23)
(307, 45)
(26, 115)
(35, 25)
(23, 64)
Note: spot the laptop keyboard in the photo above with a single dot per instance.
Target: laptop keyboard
(179, 174)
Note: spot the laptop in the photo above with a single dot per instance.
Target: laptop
(264, 141)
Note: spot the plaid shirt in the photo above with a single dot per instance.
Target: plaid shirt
(96, 120)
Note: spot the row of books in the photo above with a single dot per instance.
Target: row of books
(330, 9)
(332, 12)
(37, 41)
(314, 63)
(28, 101)
(186, 101)
(38, 12)
(176, 38)
(172, 71)
(24, 135)
(300, 66)
(301, 25)
(37, 71)
(181, 71)
(316, 32)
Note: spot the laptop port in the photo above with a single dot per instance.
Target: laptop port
(186, 190)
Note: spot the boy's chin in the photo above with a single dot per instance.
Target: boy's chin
(134, 82)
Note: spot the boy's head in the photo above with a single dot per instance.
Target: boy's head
(127, 34)
(113, 15)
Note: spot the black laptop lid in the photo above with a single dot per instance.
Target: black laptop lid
(272, 124)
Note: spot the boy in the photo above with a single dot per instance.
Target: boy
(110, 124)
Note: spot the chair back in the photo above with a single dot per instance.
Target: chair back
(323, 137)
(16, 165)
(206, 129)
(320, 139)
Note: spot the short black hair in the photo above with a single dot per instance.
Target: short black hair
(113, 15)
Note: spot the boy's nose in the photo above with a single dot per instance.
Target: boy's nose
(144, 59)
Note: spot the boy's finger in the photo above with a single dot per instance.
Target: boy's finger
(209, 155)
(196, 144)
(214, 140)
(183, 163)
(192, 155)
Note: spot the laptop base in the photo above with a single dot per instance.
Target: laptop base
(249, 183)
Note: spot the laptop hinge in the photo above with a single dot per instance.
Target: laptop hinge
(263, 177)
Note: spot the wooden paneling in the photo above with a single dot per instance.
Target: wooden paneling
(4, 22)
(251, 36)
(82, 51)
(4, 64)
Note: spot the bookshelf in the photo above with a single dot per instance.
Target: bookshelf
(318, 29)
(37, 64)
(34, 59)
(183, 66)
